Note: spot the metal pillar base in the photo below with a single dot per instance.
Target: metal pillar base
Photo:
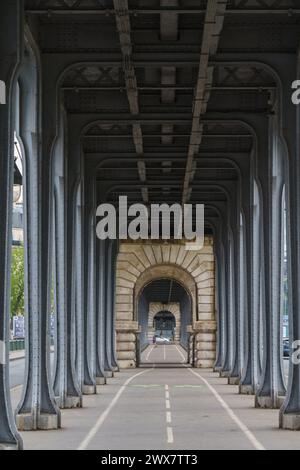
(45, 422)
(89, 390)
(224, 373)
(100, 380)
(289, 421)
(109, 374)
(6, 446)
(69, 402)
(246, 390)
(234, 381)
(269, 402)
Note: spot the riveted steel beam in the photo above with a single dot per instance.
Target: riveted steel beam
(213, 24)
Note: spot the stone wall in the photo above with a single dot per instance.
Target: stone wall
(141, 262)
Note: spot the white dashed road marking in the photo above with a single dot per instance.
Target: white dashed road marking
(105, 413)
(170, 436)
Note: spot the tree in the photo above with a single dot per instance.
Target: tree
(17, 281)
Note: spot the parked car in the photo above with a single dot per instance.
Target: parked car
(162, 340)
(286, 347)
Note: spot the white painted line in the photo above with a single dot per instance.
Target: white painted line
(256, 444)
(183, 358)
(170, 435)
(16, 388)
(84, 444)
(149, 352)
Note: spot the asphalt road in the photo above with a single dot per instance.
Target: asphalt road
(165, 405)
(158, 355)
(17, 371)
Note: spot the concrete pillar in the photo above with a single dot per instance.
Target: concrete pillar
(11, 30)
(38, 409)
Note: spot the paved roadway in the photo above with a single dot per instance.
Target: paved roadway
(165, 405)
(17, 367)
(16, 372)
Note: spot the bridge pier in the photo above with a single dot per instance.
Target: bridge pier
(11, 41)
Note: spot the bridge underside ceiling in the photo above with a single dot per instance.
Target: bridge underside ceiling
(160, 93)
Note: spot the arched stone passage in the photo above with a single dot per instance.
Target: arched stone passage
(167, 271)
(140, 263)
(164, 324)
(155, 308)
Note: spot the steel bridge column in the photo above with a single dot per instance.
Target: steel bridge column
(89, 379)
(109, 368)
(242, 296)
(248, 382)
(272, 388)
(11, 32)
(100, 311)
(66, 386)
(79, 289)
(235, 372)
(115, 248)
(230, 256)
(226, 366)
(290, 410)
(219, 287)
(37, 409)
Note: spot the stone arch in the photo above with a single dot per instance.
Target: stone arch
(155, 308)
(141, 262)
(167, 271)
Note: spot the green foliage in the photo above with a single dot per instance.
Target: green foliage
(17, 281)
